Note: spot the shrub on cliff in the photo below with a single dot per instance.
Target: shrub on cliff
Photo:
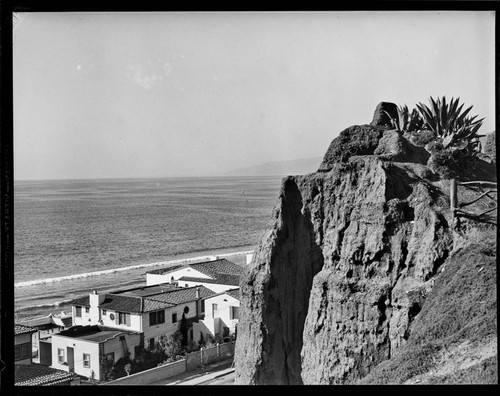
(406, 121)
(451, 125)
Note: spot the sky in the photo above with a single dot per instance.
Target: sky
(137, 95)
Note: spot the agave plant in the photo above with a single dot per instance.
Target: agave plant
(406, 121)
(450, 123)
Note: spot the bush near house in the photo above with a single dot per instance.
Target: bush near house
(166, 350)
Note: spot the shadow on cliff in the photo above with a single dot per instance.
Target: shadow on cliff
(295, 258)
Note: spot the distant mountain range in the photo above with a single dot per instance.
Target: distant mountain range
(285, 168)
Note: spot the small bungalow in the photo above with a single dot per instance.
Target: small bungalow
(221, 316)
(82, 349)
(217, 275)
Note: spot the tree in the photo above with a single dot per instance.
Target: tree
(184, 331)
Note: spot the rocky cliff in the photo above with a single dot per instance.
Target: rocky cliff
(351, 255)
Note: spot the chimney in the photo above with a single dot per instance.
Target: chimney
(95, 300)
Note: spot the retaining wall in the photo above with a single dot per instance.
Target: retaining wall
(193, 360)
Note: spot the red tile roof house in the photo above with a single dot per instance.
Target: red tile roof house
(217, 275)
(28, 374)
(155, 311)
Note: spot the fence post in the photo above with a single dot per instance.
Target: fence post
(218, 351)
(201, 355)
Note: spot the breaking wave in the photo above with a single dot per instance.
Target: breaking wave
(129, 268)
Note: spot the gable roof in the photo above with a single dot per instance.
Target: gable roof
(21, 329)
(235, 293)
(220, 279)
(210, 268)
(161, 271)
(217, 267)
(36, 374)
(118, 302)
(81, 301)
(183, 295)
(163, 298)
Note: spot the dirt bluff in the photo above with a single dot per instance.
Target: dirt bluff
(348, 261)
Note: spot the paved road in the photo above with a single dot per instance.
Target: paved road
(224, 379)
(199, 375)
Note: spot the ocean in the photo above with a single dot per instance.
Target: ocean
(75, 236)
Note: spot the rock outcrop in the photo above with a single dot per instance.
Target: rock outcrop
(346, 265)
(490, 146)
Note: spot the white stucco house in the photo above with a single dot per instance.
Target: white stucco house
(155, 311)
(81, 349)
(217, 275)
(221, 316)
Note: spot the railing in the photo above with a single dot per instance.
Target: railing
(485, 189)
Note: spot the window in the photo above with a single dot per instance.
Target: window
(174, 317)
(110, 357)
(60, 355)
(86, 360)
(234, 313)
(23, 351)
(86, 309)
(78, 312)
(202, 306)
(214, 310)
(104, 312)
(156, 317)
(124, 318)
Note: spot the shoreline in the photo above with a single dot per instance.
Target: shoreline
(184, 258)
(203, 255)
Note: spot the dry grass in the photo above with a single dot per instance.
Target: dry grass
(451, 338)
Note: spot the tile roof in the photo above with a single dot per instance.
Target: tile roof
(161, 271)
(163, 298)
(146, 290)
(153, 304)
(221, 279)
(35, 374)
(81, 301)
(184, 295)
(118, 302)
(67, 322)
(235, 293)
(217, 267)
(21, 329)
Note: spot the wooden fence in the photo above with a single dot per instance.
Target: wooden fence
(485, 189)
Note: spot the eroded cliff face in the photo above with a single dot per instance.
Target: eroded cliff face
(346, 265)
